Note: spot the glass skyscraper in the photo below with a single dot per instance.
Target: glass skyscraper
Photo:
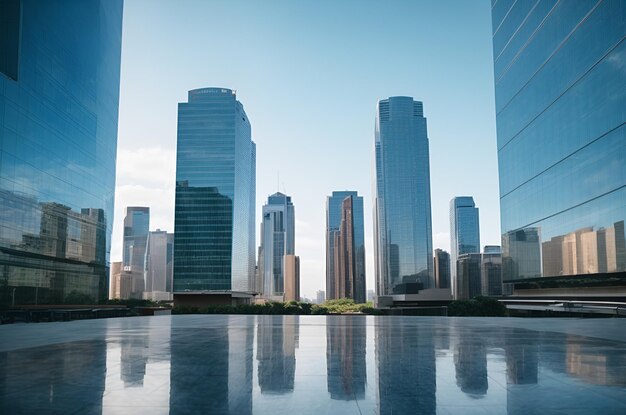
(136, 229)
(215, 194)
(278, 230)
(402, 216)
(464, 233)
(356, 253)
(59, 94)
(560, 86)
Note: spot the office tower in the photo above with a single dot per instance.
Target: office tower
(402, 219)
(370, 295)
(469, 277)
(560, 95)
(345, 246)
(277, 240)
(442, 269)
(464, 233)
(59, 94)
(136, 229)
(491, 273)
(345, 262)
(159, 266)
(215, 193)
(292, 278)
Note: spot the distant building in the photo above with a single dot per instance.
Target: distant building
(402, 211)
(277, 240)
(136, 229)
(159, 266)
(370, 295)
(215, 200)
(321, 297)
(121, 282)
(559, 87)
(292, 278)
(345, 246)
(442, 268)
(492, 249)
(464, 233)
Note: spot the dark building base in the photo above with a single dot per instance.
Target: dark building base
(207, 299)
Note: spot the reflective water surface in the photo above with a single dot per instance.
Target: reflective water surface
(314, 364)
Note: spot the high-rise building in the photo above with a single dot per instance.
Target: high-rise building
(402, 215)
(59, 95)
(464, 233)
(354, 225)
(479, 274)
(159, 266)
(136, 229)
(277, 240)
(292, 278)
(442, 268)
(560, 98)
(320, 297)
(215, 194)
(345, 246)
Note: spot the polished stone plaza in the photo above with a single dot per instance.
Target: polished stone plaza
(314, 364)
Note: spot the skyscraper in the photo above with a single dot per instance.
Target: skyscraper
(292, 278)
(59, 95)
(402, 217)
(277, 240)
(442, 268)
(136, 229)
(560, 99)
(159, 265)
(215, 193)
(345, 246)
(464, 233)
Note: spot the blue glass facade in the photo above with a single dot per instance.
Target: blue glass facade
(59, 94)
(215, 193)
(402, 215)
(464, 232)
(561, 107)
(333, 224)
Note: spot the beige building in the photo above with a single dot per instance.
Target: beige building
(292, 278)
(121, 282)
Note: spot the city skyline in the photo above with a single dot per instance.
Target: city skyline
(293, 122)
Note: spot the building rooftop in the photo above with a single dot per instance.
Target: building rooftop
(314, 364)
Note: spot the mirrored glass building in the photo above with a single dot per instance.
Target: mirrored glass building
(560, 86)
(59, 95)
(215, 194)
(402, 216)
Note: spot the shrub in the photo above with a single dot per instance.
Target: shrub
(477, 307)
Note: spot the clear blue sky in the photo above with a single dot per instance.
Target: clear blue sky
(309, 74)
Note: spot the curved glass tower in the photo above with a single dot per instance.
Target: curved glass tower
(59, 95)
(215, 193)
(402, 216)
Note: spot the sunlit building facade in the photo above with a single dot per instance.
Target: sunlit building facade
(402, 212)
(560, 103)
(345, 246)
(215, 194)
(59, 95)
